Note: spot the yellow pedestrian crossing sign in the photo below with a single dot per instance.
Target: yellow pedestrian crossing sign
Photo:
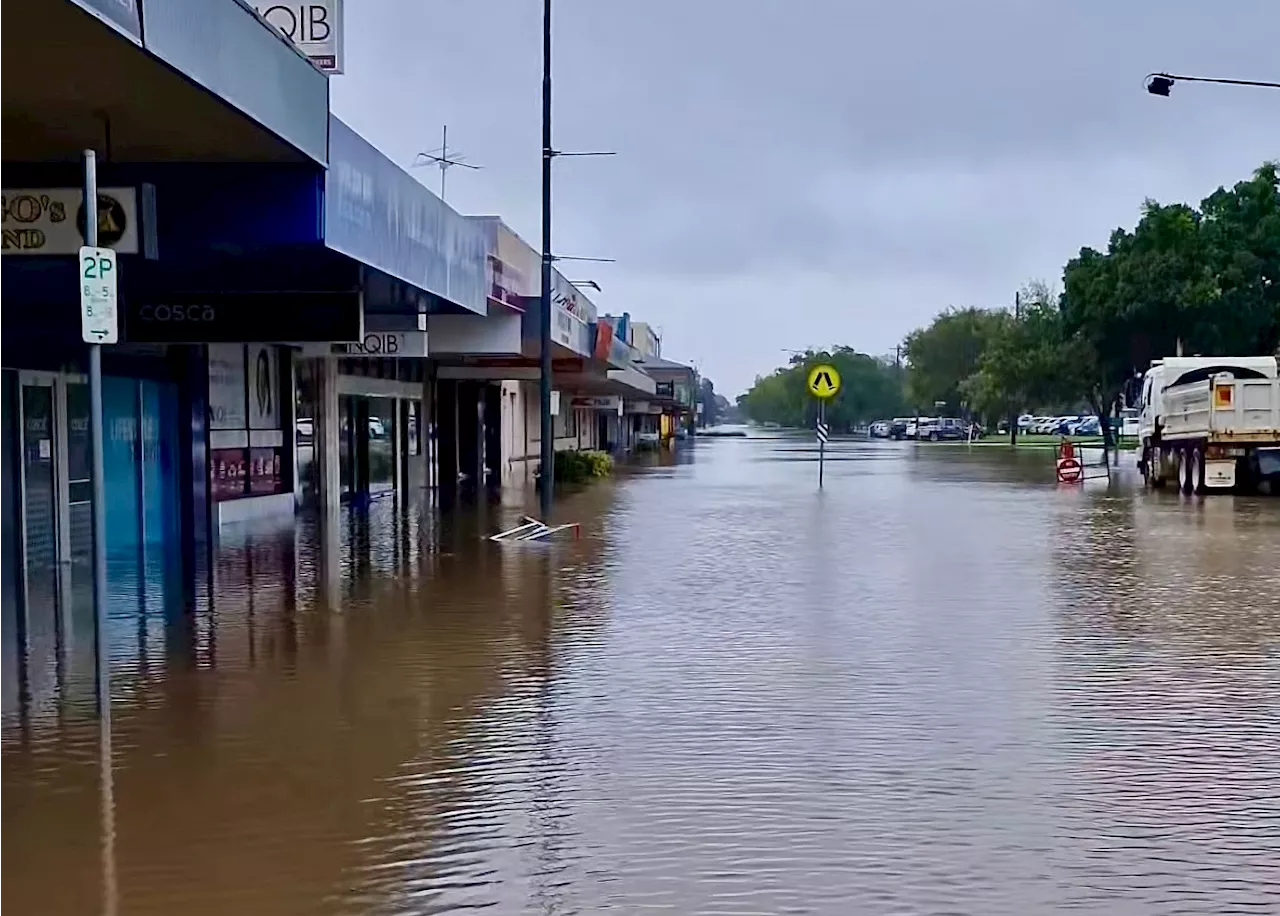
(824, 381)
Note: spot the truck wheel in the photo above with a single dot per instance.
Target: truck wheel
(1156, 465)
(1184, 470)
(1196, 472)
(933, 437)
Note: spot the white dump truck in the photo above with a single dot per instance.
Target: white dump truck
(1210, 423)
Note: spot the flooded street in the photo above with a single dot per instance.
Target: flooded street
(941, 685)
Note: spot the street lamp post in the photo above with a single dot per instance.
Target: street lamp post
(548, 450)
(1161, 83)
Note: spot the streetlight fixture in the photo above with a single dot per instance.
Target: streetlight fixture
(548, 449)
(591, 283)
(1161, 83)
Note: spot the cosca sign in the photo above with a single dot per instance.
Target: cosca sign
(397, 344)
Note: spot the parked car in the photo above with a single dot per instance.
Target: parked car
(942, 428)
(1089, 426)
(879, 429)
(898, 428)
(1129, 422)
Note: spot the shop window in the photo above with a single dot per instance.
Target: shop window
(566, 426)
(306, 408)
(245, 436)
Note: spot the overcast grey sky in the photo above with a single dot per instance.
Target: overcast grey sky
(813, 172)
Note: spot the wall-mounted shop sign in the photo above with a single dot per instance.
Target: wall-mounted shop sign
(396, 344)
(315, 27)
(378, 214)
(566, 296)
(244, 316)
(51, 220)
(610, 404)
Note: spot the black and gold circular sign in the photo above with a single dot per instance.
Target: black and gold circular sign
(112, 220)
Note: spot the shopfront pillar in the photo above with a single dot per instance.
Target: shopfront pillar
(327, 434)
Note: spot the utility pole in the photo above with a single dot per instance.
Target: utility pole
(1013, 414)
(548, 450)
(548, 456)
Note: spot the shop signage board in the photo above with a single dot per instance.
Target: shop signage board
(609, 404)
(245, 316)
(51, 220)
(315, 27)
(378, 214)
(387, 344)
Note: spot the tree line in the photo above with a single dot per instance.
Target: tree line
(1197, 280)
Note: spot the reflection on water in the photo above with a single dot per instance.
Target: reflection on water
(942, 684)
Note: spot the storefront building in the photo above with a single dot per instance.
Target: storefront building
(165, 112)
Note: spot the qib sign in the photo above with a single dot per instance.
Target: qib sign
(315, 27)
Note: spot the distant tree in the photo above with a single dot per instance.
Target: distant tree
(869, 390)
(710, 403)
(1029, 361)
(943, 355)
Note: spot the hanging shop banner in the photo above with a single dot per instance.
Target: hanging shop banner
(315, 27)
(226, 386)
(264, 387)
(51, 220)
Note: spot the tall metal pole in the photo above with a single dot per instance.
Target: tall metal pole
(98, 505)
(544, 305)
(1013, 414)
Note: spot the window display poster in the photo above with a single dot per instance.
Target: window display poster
(264, 471)
(264, 387)
(226, 386)
(227, 471)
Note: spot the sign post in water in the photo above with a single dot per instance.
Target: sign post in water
(97, 276)
(824, 383)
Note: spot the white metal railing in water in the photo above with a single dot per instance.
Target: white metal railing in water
(532, 529)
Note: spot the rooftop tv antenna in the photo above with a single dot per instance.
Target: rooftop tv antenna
(442, 158)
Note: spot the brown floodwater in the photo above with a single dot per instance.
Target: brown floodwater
(941, 685)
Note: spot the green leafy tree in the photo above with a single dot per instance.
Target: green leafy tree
(943, 355)
(1197, 281)
(1030, 361)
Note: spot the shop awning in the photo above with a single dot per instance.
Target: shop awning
(157, 80)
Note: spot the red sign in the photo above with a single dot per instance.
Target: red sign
(1069, 470)
(604, 340)
(238, 472)
(264, 471)
(227, 472)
